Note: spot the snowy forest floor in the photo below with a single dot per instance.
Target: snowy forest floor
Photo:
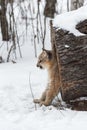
(17, 110)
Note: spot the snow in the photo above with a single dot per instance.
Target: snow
(17, 110)
(69, 20)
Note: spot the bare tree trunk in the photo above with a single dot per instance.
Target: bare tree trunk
(75, 4)
(68, 5)
(3, 20)
(50, 10)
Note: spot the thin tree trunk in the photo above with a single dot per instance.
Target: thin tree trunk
(4, 23)
(50, 10)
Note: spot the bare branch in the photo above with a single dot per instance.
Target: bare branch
(31, 89)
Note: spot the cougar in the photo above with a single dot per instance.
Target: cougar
(47, 60)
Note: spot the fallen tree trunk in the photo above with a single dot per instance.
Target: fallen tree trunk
(71, 54)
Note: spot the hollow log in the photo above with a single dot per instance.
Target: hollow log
(82, 26)
(71, 54)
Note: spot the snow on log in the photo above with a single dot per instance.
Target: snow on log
(71, 54)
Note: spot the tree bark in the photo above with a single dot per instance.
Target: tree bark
(50, 10)
(72, 63)
(82, 26)
(4, 23)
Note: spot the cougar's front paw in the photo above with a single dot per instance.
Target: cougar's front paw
(36, 100)
(44, 103)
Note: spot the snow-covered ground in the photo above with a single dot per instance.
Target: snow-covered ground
(17, 110)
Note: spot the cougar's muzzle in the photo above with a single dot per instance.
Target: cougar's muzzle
(38, 65)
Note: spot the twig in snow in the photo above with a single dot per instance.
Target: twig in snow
(31, 90)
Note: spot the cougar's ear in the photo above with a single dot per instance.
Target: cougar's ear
(47, 53)
(44, 52)
(43, 49)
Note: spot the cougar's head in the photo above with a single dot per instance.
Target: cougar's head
(44, 59)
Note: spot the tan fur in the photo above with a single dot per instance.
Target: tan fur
(46, 60)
